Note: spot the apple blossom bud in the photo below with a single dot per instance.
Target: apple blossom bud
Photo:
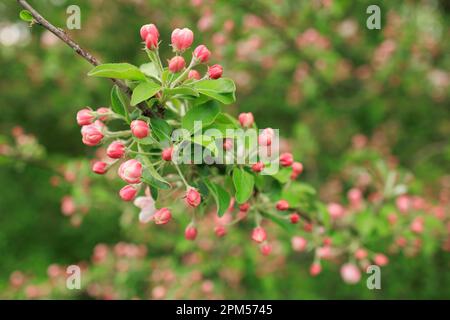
(92, 134)
(259, 234)
(151, 42)
(315, 269)
(327, 241)
(417, 225)
(139, 128)
(193, 198)
(162, 216)
(244, 207)
(335, 210)
(176, 64)
(202, 53)
(403, 203)
(100, 167)
(294, 218)
(297, 168)
(215, 71)
(194, 75)
(182, 39)
(360, 254)
(380, 259)
(286, 159)
(85, 116)
(392, 218)
(228, 144)
(265, 249)
(265, 138)
(220, 231)
(246, 119)
(131, 171)
(116, 150)
(354, 195)
(258, 167)
(190, 233)
(148, 29)
(282, 205)
(128, 193)
(298, 243)
(166, 154)
(350, 273)
(103, 113)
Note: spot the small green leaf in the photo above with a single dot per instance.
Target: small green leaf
(151, 176)
(223, 122)
(206, 141)
(118, 103)
(243, 183)
(150, 70)
(161, 129)
(206, 113)
(220, 195)
(183, 91)
(26, 16)
(222, 90)
(118, 71)
(144, 91)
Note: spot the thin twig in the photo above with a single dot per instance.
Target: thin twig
(61, 34)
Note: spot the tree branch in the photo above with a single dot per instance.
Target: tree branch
(61, 34)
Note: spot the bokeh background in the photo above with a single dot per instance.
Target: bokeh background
(310, 68)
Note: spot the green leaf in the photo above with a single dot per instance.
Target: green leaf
(222, 89)
(26, 16)
(183, 91)
(220, 195)
(118, 103)
(206, 141)
(118, 71)
(223, 122)
(243, 183)
(298, 192)
(206, 113)
(161, 129)
(151, 176)
(144, 91)
(150, 70)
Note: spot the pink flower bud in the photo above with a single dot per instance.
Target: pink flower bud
(162, 216)
(128, 193)
(380, 259)
(116, 150)
(176, 64)
(392, 218)
(215, 71)
(294, 218)
(258, 167)
(92, 133)
(298, 243)
(315, 269)
(417, 225)
(350, 273)
(246, 119)
(282, 205)
(259, 234)
(139, 128)
(297, 168)
(182, 39)
(166, 154)
(149, 29)
(360, 254)
(220, 231)
(99, 167)
(103, 113)
(265, 138)
(85, 117)
(130, 171)
(286, 159)
(151, 42)
(202, 53)
(193, 74)
(354, 195)
(193, 198)
(190, 233)
(265, 249)
(403, 203)
(335, 210)
(244, 207)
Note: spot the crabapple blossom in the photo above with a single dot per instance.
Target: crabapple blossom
(190, 233)
(258, 167)
(149, 29)
(215, 71)
(298, 243)
(166, 154)
(116, 150)
(360, 254)
(228, 144)
(194, 75)
(315, 269)
(92, 134)
(182, 39)
(139, 129)
(220, 231)
(147, 206)
(246, 119)
(286, 159)
(128, 193)
(99, 167)
(244, 207)
(297, 169)
(176, 64)
(130, 171)
(85, 116)
(350, 273)
(336, 210)
(282, 205)
(202, 54)
(162, 216)
(265, 248)
(103, 113)
(192, 198)
(380, 259)
(266, 136)
(259, 234)
(417, 225)
(294, 218)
